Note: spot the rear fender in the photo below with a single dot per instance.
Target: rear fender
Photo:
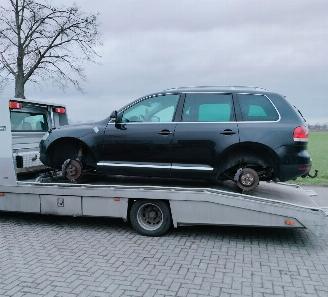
(247, 153)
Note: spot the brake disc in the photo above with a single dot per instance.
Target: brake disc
(72, 170)
(246, 179)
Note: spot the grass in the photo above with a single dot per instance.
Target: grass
(318, 147)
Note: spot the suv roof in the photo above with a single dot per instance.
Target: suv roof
(217, 89)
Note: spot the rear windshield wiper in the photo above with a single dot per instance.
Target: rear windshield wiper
(300, 113)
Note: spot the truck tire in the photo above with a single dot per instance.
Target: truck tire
(151, 217)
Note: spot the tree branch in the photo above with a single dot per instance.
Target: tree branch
(40, 41)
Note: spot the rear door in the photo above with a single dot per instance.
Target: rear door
(206, 128)
(259, 121)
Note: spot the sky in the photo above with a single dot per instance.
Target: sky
(150, 46)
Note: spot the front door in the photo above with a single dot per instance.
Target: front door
(206, 128)
(140, 144)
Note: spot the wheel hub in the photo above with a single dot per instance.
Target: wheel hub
(72, 170)
(247, 179)
(150, 216)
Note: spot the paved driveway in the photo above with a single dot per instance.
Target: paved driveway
(53, 256)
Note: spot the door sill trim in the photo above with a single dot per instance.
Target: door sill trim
(154, 166)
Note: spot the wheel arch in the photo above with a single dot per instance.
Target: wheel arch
(74, 142)
(245, 152)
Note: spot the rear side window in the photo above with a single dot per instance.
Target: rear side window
(208, 108)
(257, 108)
(28, 122)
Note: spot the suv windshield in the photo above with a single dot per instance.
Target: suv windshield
(28, 122)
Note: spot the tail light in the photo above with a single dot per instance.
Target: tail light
(15, 105)
(60, 110)
(301, 134)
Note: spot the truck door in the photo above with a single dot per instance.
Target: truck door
(29, 122)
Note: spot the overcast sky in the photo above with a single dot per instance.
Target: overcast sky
(153, 45)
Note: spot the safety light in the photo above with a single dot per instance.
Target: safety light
(289, 222)
(60, 110)
(15, 105)
(301, 134)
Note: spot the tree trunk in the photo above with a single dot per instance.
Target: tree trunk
(19, 79)
(19, 87)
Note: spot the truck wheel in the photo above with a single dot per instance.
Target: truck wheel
(151, 217)
(247, 179)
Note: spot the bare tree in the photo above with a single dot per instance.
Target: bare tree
(39, 41)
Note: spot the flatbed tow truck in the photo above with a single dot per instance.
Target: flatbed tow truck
(153, 206)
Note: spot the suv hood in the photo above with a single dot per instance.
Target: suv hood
(78, 130)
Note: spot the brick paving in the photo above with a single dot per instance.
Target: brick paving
(56, 256)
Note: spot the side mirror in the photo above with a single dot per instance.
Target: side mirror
(113, 117)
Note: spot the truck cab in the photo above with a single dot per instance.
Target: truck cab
(30, 121)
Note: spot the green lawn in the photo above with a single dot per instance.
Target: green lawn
(318, 147)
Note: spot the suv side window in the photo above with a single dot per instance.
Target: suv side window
(208, 108)
(155, 109)
(256, 108)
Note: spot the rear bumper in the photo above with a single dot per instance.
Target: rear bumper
(294, 162)
(288, 172)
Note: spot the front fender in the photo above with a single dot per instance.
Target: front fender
(90, 137)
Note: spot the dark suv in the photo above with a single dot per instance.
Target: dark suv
(243, 134)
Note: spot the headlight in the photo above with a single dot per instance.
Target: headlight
(45, 136)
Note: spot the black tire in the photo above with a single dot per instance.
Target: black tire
(151, 217)
(247, 180)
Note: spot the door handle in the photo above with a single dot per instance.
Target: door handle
(228, 132)
(165, 132)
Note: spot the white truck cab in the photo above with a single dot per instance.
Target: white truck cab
(30, 120)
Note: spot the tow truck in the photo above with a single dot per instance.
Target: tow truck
(153, 207)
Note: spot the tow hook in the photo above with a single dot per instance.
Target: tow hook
(312, 175)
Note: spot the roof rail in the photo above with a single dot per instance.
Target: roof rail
(227, 87)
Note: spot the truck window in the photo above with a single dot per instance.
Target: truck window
(28, 122)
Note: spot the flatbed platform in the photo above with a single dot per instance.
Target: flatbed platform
(271, 205)
(271, 192)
